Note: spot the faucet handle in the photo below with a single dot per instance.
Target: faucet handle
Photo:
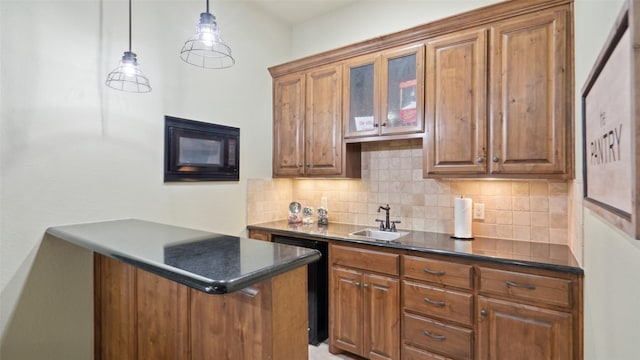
(393, 224)
(381, 223)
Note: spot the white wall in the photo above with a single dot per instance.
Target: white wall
(611, 258)
(73, 150)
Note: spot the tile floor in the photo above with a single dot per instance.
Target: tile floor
(321, 352)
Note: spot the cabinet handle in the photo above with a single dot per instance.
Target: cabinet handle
(308, 165)
(436, 337)
(384, 124)
(516, 285)
(357, 284)
(483, 312)
(495, 159)
(436, 303)
(480, 159)
(250, 291)
(366, 286)
(434, 272)
(375, 125)
(299, 165)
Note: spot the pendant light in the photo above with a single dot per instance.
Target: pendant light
(128, 76)
(206, 48)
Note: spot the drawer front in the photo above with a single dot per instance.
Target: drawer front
(438, 337)
(439, 272)
(365, 259)
(411, 353)
(436, 302)
(534, 288)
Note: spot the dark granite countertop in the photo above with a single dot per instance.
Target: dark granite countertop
(514, 252)
(208, 262)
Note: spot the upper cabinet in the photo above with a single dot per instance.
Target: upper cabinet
(456, 109)
(383, 93)
(522, 126)
(530, 76)
(307, 127)
(490, 92)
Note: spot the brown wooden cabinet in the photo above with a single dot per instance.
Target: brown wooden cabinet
(509, 330)
(365, 306)
(307, 126)
(140, 315)
(456, 106)
(387, 302)
(531, 116)
(529, 123)
(384, 94)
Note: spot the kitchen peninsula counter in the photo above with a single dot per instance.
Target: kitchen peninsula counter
(209, 262)
(555, 257)
(167, 292)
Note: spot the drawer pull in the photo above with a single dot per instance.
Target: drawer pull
(435, 337)
(516, 285)
(436, 303)
(434, 272)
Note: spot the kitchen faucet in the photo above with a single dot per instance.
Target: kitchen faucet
(386, 225)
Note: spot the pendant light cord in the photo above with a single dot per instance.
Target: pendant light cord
(130, 25)
(207, 6)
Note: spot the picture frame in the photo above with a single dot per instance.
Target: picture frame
(609, 127)
(200, 151)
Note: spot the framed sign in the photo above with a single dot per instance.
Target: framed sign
(609, 128)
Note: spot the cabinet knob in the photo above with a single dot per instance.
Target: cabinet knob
(308, 165)
(480, 159)
(496, 159)
(366, 286)
(483, 312)
(384, 124)
(357, 284)
(299, 165)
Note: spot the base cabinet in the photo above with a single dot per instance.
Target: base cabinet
(140, 315)
(365, 308)
(508, 330)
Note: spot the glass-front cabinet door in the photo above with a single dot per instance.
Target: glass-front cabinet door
(402, 86)
(384, 93)
(361, 88)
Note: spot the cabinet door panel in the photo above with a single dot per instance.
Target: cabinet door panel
(346, 310)
(456, 80)
(361, 91)
(115, 329)
(382, 317)
(516, 331)
(288, 125)
(402, 90)
(323, 129)
(530, 72)
(162, 323)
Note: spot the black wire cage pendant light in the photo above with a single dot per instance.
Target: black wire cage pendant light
(128, 76)
(206, 48)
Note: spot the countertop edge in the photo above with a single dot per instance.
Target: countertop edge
(480, 257)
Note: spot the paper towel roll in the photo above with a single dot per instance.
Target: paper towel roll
(462, 218)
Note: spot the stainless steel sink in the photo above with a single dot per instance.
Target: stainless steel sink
(379, 235)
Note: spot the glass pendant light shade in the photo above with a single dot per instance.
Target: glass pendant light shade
(206, 48)
(128, 76)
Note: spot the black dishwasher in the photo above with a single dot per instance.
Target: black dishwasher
(318, 284)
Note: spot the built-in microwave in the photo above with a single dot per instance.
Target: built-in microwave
(200, 151)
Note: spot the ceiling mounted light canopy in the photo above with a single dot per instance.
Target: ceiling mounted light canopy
(206, 48)
(128, 76)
